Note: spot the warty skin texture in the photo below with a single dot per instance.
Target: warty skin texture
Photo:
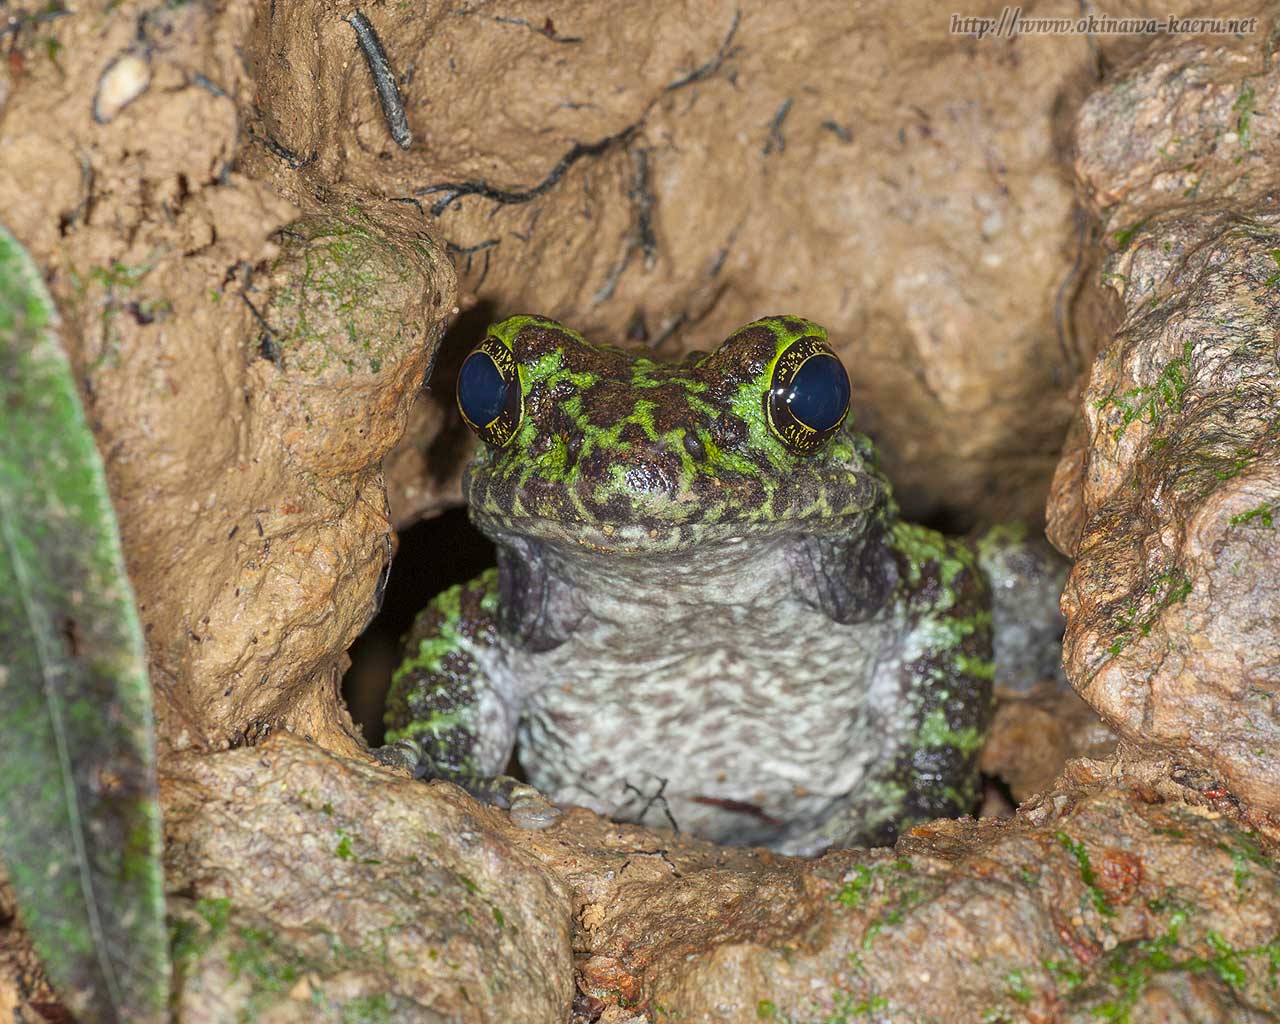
(690, 617)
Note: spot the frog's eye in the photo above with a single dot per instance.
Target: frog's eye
(808, 397)
(489, 395)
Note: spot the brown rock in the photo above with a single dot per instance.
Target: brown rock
(1090, 900)
(242, 435)
(25, 995)
(1034, 735)
(1173, 603)
(320, 889)
(661, 181)
(314, 888)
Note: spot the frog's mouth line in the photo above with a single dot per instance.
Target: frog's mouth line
(648, 537)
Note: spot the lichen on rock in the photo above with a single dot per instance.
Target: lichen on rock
(316, 887)
(1173, 602)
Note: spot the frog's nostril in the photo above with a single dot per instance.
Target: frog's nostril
(693, 445)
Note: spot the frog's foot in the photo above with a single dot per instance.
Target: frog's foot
(400, 754)
(530, 809)
(527, 807)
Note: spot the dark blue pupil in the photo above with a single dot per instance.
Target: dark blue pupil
(819, 393)
(482, 392)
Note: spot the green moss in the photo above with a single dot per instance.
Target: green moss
(1259, 516)
(854, 892)
(1087, 876)
(1065, 976)
(374, 1009)
(1132, 965)
(1274, 279)
(846, 1008)
(270, 968)
(1245, 106)
(216, 913)
(908, 899)
(1125, 235)
(1017, 987)
(338, 305)
(1150, 404)
(189, 940)
(1169, 588)
(343, 850)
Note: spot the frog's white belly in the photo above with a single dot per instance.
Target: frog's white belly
(709, 686)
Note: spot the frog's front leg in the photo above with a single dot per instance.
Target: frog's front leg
(941, 677)
(448, 715)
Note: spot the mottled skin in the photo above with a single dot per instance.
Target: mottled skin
(689, 618)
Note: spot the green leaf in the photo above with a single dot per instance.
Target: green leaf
(79, 819)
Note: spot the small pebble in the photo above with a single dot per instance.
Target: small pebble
(124, 80)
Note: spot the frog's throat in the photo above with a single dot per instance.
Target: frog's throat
(649, 537)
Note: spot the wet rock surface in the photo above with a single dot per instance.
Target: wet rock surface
(316, 888)
(1034, 734)
(242, 435)
(308, 887)
(1114, 893)
(253, 278)
(1169, 497)
(315, 885)
(661, 181)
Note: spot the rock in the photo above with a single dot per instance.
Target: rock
(242, 435)
(1170, 498)
(25, 995)
(320, 889)
(661, 181)
(1035, 733)
(1118, 892)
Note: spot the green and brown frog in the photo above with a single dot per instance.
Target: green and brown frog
(705, 609)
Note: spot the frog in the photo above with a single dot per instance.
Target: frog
(707, 613)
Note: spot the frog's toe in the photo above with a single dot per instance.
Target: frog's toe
(531, 810)
(400, 754)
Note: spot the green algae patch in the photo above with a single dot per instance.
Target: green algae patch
(81, 822)
(336, 303)
(854, 893)
(1150, 404)
(846, 1008)
(1132, 966)
(1139, 617)
(1078, 850)
(1259, 517)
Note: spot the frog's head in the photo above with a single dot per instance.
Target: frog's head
(614, 451)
